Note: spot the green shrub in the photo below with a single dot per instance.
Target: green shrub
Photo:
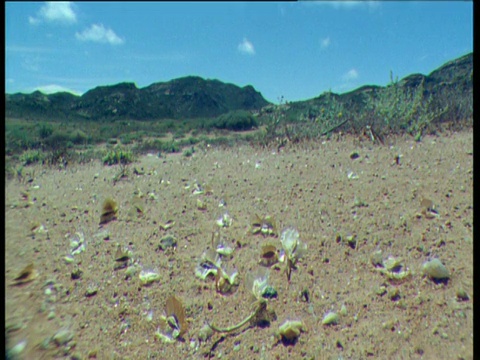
(31, 157)
(193, 140)
(79, 138)
(410, 110)
(45, 130)
(118, 156)
(179, 134)
(19, 138)
(189, 152)
(129, 138)
(170, 147)
(57, 140)
(238, 120)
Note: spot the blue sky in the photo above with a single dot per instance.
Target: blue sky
(296, 50)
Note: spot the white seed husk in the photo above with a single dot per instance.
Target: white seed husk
(435, 269)
(330, 318)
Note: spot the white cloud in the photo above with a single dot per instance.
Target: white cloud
(246, 47)
(324, 43)
(350, 75)
(100, 34)
(53, 88)
(344, 4)
(33, 21)
(58, 11)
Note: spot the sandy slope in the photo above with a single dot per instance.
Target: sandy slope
(305, 186)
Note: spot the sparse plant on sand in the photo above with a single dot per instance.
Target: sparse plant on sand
(261, 315)
(211, 265)
(293, 247)
(264, 225)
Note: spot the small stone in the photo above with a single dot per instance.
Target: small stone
(354, 155)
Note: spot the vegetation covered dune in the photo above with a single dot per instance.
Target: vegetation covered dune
(355, 205)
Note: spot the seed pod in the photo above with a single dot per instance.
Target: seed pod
(176, 316)
(29, 273)
(330, 318)
(266, 225)
(167, 225)
(109, 211)
(269, 255)
(147, 276)
(436, 270)
(426, 204)
(392, 264)
(289, 331)
(201, 205)
(137, 206)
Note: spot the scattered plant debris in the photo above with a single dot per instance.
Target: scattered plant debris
(109, 211)
(174, 321)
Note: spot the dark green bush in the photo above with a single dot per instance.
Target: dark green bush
(118, 156)
(79, 138)
(45, 130)
(238, 120)
(57, 140)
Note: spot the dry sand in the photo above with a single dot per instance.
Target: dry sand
(304, 186)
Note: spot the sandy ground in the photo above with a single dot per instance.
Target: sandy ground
(316, 188)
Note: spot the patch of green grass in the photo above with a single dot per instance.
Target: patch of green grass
(189, 152)
(118, 156)
(32, 157)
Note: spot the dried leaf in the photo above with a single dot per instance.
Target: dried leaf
(174, 309)
(269, 255)
(266, 225)
(29, 273)
(122, 255)
(167, 225)
(109, 211)
(426, 204)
